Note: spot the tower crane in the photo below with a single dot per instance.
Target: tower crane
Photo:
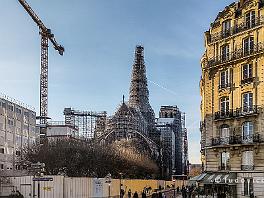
(46, 35)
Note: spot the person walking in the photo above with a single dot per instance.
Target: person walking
(129, 194)
(144, 194)
(184, 193)
(135, 195)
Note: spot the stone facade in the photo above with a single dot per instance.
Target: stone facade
(232, 90)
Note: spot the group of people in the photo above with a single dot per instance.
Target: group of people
(187, 191)
(133, 195)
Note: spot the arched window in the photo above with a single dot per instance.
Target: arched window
(247, 130)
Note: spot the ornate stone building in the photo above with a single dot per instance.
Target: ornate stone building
(232, 90)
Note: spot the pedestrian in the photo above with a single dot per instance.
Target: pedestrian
(160, 195)
(144, 194)
(184, 193)
(122, 193)
(163, 195)
(135, 195)
(178, 189)
(129, 193)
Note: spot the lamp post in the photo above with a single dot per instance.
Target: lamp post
(120, 189)
(108, 180)
(174, 180)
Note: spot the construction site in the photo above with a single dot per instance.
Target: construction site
(133, 127)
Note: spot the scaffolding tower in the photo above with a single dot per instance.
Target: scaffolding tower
(185, 145)
(85, 121)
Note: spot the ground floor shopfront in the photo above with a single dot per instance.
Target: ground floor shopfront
(230, 184)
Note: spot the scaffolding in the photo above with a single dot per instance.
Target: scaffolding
(86, 121)
(185, 145)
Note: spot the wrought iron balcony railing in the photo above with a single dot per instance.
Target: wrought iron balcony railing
(238, 139)
(247, 80)
(247, 167)
(224, 86)
(223, 114)
(238, 112)
(235, 55)
(236, 29)
(224, 167)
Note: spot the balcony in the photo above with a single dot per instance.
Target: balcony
(236, 29)
(238, 112)
(247, 167)
(224, 86)
(224, 167)
(237, 139)
(220, 115)
(247, 80)
(236, 55)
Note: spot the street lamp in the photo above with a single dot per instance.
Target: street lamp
(120, 190)
(174, 180)
(108, 180)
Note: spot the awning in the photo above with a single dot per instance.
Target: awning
(193, 180)
(219, 178)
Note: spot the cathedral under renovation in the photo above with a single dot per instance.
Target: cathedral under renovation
(135, 121)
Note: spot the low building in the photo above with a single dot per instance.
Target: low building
(17, 132)
(59, 130)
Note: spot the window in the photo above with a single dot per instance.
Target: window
(224, 104)
(4, 105)
(10, 107)
(224, 134)
(247, 71)
(18, 111)
(248, 45)
(247, 160)
(2, 150)
(225, 157)
(226, 27)
(26, 114)
(248, 186)
(247, 102)
(1, 166)
(225, 52)
(10, 122)
(18, 153)
(224, 78)
(248, 131)
(250, 19)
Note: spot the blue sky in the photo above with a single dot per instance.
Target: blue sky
(99, 38)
